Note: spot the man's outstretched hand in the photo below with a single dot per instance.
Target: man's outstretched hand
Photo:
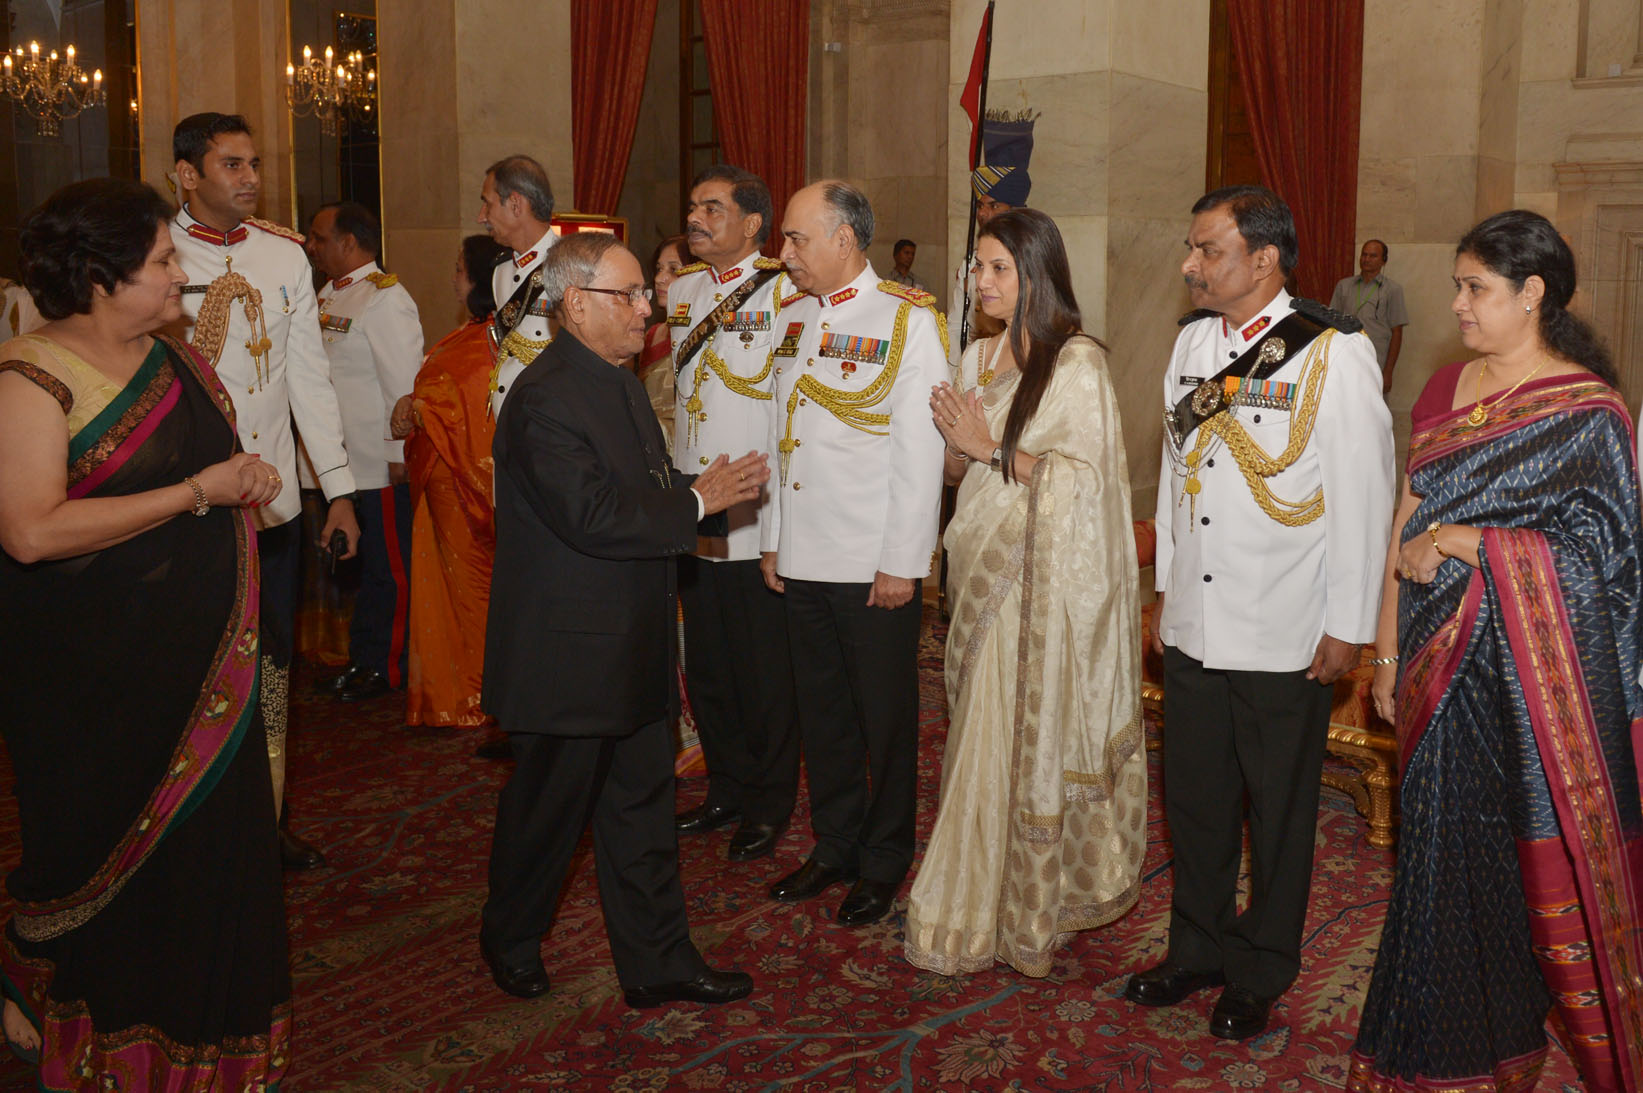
(727, 482)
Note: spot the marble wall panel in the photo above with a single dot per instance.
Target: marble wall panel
(1496, 179)
(423, 258)
(1155, 161)
(1431, 339)
(1550, 52)
(1445, 196)
(1035, 37)
(1386, 197)
(898, 103)
(1164, 40)
(1421, 61)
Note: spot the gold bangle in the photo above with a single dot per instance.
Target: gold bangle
(201, 506)
(1379, 661)
(1432, 530)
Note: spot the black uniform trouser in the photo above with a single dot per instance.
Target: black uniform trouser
(856, 679)
(741, 687)
(624, 784)
(1227, 733)
(377, 633)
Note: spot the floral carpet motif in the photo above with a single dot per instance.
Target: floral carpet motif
(391, 993)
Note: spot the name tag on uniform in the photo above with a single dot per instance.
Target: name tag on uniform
(853, 347)
(680, 316)
(335, 323)
(1190, 381)
(790, 341)
(187, 289)
(539, 308)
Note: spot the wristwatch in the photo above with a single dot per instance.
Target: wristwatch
(997, 461)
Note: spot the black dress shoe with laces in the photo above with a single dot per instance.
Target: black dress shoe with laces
(1240, 1014)
(868, 901)
(367, 684)
(526, 980)
(1166, 984)
(810, 879)
(754, 840)
(297, 854)
(710, 988)
(705, 817)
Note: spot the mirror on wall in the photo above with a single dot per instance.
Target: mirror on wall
(334, 150)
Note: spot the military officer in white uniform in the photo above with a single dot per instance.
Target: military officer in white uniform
(249, 308)
(1274, 509)
(722, 312)
(373, 337)
(515, 206)
(851, 538)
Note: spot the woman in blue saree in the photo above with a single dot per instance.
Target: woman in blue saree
(1508, 657)
(146, 944)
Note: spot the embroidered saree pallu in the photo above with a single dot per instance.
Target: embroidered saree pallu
(1518, 889)
(147, 944)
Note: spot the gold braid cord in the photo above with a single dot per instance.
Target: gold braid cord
(709, 360)
(1254, 462)
(521, 348)
(211, 328)
(850, 407)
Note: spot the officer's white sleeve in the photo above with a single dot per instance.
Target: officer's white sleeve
(394, 331)
(1353, 434)
(308, 381)
(770, 517)
(915, 452)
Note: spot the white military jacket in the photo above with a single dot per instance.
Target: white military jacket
(722, 397)
(1243, 591)
(291, 377)
(858, 476)
(373, 337)
(532, 334)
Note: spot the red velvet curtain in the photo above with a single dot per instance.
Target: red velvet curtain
(758, 64)
(1301, 64)
(610, 47)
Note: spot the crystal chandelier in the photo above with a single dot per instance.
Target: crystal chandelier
(330, 91)
(50, 88)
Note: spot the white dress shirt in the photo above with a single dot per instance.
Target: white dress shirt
(1243, 592)
(508, 277)
(293, 380)
(710, 417)
(855, 503)
(373, 337)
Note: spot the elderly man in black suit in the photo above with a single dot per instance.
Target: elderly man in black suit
(590, 516)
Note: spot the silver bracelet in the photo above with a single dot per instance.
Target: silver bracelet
(1378, 661)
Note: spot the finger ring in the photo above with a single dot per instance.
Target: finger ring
(740, 477)
(953, 421)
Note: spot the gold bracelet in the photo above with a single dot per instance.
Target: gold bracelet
(1432, 530)
(1379, 661)
(201, 506)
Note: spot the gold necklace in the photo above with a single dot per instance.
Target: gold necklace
(1480, 413)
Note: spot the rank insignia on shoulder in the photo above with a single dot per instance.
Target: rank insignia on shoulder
(761, 262)
(1326, 316)
(841, 296)
(275, 229)
(1193, 316)
(383, 280)
(908, 293)
(851, 347)
(790, 341)
(681, 314)
(694, 267)
(789, 301)
(337, 323)
(744, 321)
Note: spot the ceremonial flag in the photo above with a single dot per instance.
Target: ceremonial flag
(974, 97)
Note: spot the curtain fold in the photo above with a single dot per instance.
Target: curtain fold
(758, 62)
(610, 48)
(1301, 64)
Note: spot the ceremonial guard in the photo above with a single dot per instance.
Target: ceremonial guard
(722, 312)
(515, 206)
(373, 338)
(1274, 510)
(249, 308)
(1000, 184)
(851, 538)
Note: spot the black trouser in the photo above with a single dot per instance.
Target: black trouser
(279, 554)
(377, 633)
(1225, 733)
(741, 687)
(856, 679)
(625, 785)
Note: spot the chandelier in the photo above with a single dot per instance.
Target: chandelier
(50, 88)
(330, 91)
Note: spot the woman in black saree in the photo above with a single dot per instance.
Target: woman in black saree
(146, 946)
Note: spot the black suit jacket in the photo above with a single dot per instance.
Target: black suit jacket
(589, 517)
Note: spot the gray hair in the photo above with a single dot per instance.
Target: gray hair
(524, 176)
(849, 206)
(571, 263)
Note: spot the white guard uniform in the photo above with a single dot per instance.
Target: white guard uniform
(373, 338)
(21, 316)
(532, 334)
(859, 494)
(722, 397)
(1242, 591)
(292, 378)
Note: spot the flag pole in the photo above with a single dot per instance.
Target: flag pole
(975, 147)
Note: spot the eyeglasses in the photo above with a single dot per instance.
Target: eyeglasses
(631, 295)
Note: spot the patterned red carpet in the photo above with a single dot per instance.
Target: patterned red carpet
(391, 993)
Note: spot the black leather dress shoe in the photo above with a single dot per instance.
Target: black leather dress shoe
(755, 840)
(297, 854)
(495, 747)
(520, 980)
(810, 879)
(711, 988)
(1240, 1014)
(336, 683)
(705, 817)
(367, 684)
(868, 901)
(1166, 984)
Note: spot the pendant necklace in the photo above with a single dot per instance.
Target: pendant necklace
(1480, 413)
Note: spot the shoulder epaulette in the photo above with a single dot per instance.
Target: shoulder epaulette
(1328, 316)
(912, 295)
(383, 280)
(1193, 316)
(761, 262)
(789, 301)
(276, 229)
(694, 267)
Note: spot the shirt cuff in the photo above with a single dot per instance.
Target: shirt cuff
(337, 482)
(701, 506)
(393, 450)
